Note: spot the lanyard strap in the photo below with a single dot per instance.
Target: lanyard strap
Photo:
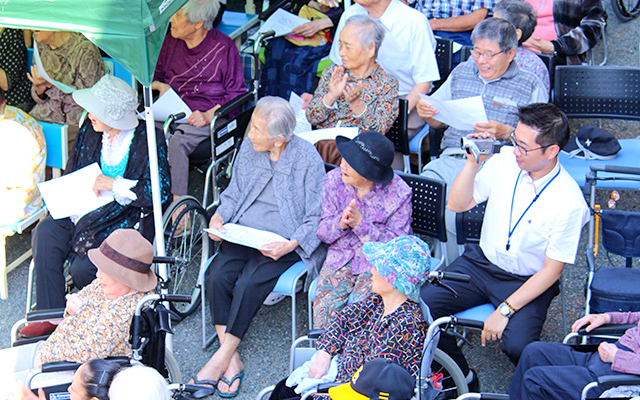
(511, 230)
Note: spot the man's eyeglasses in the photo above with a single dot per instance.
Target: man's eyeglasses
(520, 147)
(486, 55)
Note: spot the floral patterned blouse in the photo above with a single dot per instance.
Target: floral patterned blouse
(99, 329)
(379, 94)
(386, 214)
(22, 165)
(361, 332)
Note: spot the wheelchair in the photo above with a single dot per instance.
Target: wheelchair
(214, 157)
(440, 377)
(149, 327)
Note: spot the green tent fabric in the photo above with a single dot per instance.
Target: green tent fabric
(130, 31)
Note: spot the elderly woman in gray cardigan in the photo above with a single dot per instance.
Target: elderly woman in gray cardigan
(276, 186)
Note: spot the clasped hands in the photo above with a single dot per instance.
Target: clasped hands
(338, 87)
(38, 81)
(351, 216)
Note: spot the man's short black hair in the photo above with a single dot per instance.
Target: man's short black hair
(550, 122)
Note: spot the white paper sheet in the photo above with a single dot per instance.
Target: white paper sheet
(328, 134)
(282, 22)
(461, 113)
(43, 73)
(167, 104)
(302, 123)
(73, 194)
(246, 236)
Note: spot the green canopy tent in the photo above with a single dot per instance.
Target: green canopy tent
(130, 31)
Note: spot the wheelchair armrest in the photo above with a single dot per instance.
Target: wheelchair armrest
(315, 333)
(610, 329)
(324, 387)
(263, 16)
(45, 315)
(233, 104)
(57, 366)
(617, 380)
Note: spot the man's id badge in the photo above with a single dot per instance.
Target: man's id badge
(507, 261)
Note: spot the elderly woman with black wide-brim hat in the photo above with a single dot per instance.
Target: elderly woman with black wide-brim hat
(363, 201)
(113, 138)
(97, 319)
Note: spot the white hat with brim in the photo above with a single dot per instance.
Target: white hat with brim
(112, 101)
(126, 256)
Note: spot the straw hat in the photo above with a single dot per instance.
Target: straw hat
(112, 101)
(126, 256)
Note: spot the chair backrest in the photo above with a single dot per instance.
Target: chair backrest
(399, 130)
(56, 137)
(465, 53)
(116, 69)
(469, 225)
(584, 91)
(428, 201)
(228, 136)
(444, 57)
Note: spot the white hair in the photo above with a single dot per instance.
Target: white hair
(140, 383)
(202, 10)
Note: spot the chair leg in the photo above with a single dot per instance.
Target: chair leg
(4, 287)
(293, 312)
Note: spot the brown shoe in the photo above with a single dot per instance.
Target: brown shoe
(36, 329)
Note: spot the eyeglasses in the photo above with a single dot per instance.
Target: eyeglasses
(486, 55)
(522, 149)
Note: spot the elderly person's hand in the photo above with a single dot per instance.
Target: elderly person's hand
(320, 366)
(311, 28)
(607, 351)
(276, 250)
(353, 93)
(336, 85)
(160, 87)
(38, 81)
(306, 98)
(351, 216)
(74, 302)
(494, 128)
(103, 183)
(425, 110)
(591, 321)
(539, 45)
(216, 222)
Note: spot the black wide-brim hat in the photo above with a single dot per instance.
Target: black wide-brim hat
(370, 154)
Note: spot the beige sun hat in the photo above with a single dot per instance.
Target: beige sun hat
(126, 256)
(112, 101)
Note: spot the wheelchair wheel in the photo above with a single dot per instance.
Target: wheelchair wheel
(626, 10)
(190, 245)
(173, 370)
(454, 383)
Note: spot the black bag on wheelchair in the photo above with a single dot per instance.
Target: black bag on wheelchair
(616, 288)
(147, 335)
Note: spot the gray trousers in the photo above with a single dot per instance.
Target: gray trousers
(181, 145)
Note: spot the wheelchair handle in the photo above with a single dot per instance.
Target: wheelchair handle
(470, 323)
(324, 387)
(609, 329)
(59, 366)
(452, 276)
(178, 116)
(617, 380)
(615, 168)
(164, 260)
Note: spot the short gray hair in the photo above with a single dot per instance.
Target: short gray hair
(202, 10)
(369, 31)
(140, 383)
(520, 14)
(279, 116)
(497, 30)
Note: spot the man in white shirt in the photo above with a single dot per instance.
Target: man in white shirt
(408, 49)
(535, 213)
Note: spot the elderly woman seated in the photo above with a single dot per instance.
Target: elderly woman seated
(68, 58)
(521, 15)
(557, 371)
(203, 66)
(358, 93)
(492, 74)
(22, 163)
(387, 324)
(276, 186)
(363, 201)
(112, 137)
(97, 319)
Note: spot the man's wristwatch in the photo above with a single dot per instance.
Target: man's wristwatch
(505, 310)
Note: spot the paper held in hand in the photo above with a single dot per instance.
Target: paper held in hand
(328, 134)
(73, 194)
(461, 113)
(246, 236)
(282, 22)
(167, 104)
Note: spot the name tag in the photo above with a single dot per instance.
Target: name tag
(503, 101)
(507, 261)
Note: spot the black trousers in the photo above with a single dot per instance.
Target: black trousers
(51, 244)
(238, 281)
(283, 392)
(489, 284)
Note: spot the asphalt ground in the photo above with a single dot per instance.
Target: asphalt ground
(265, 349)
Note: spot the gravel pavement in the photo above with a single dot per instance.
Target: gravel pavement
(265, 347)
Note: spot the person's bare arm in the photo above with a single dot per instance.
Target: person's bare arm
(461, 194)
(461, 23)
(4, 83)
(414, 95)
(537, 284)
